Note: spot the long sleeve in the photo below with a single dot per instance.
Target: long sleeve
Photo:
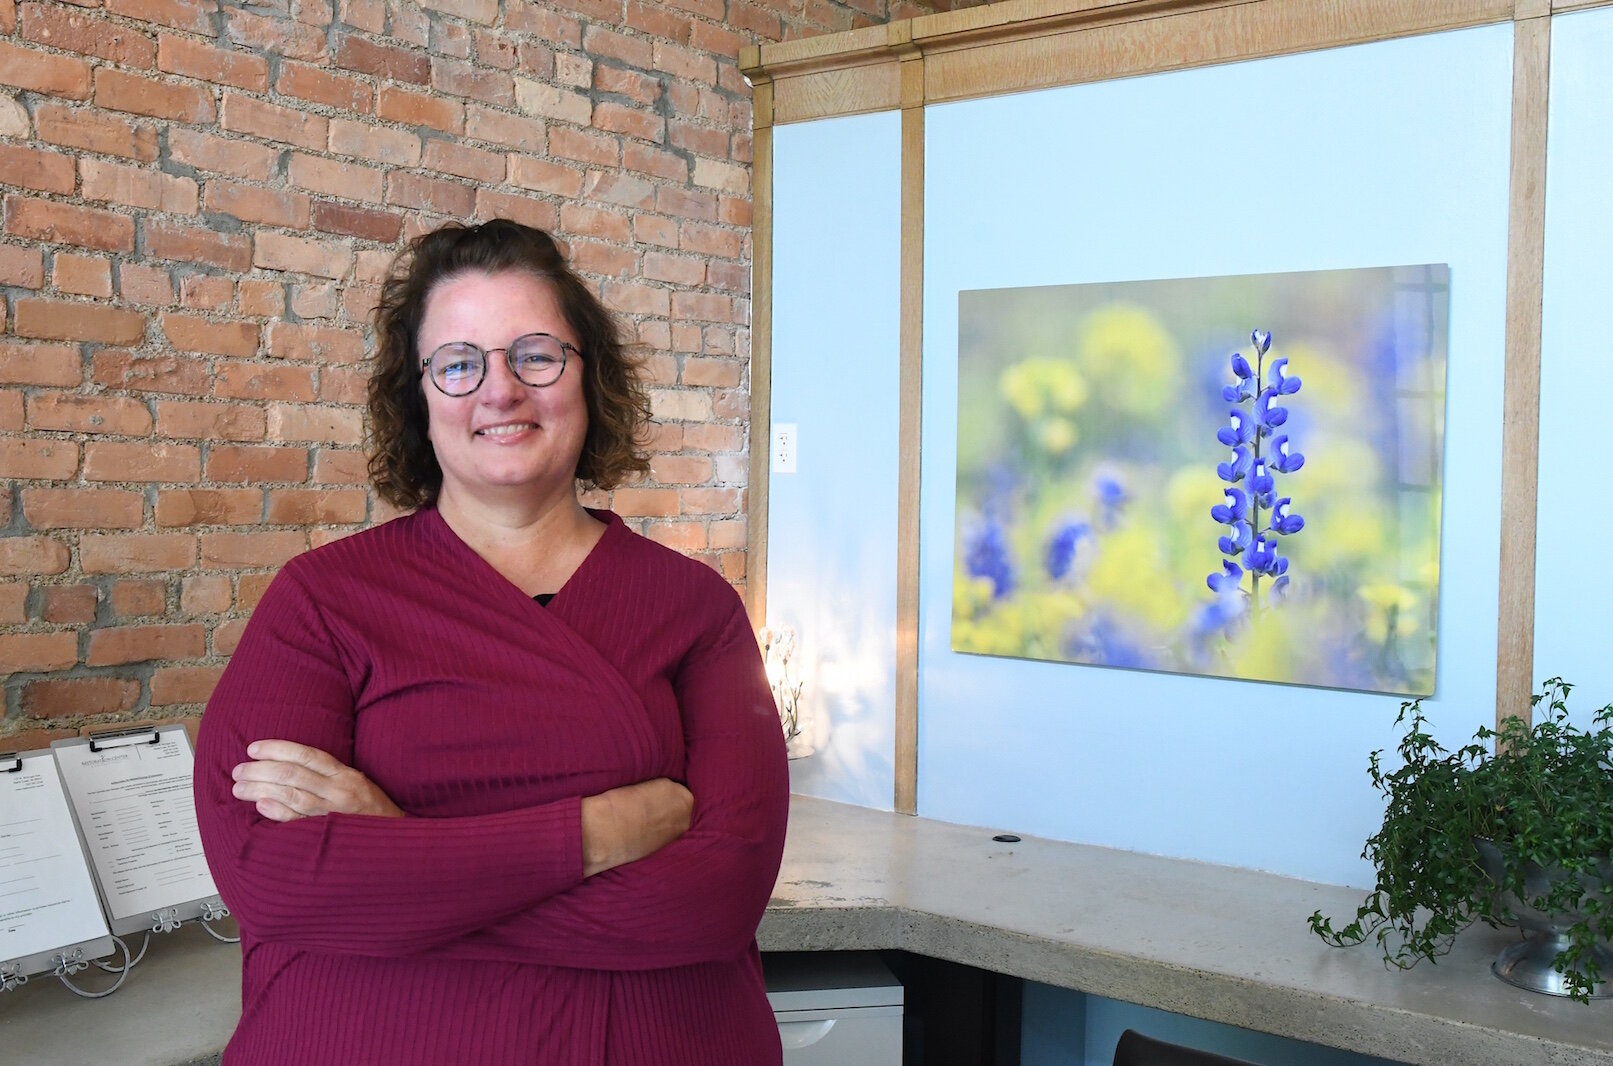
(356, 884)
(701, 897)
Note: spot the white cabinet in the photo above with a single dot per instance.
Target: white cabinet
(835, 1009)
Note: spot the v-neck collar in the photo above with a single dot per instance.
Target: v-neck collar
(614, 528)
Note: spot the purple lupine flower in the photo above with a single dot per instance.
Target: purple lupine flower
(1254, 514)
(1112, 498)
(988, 557)
(1061, 549)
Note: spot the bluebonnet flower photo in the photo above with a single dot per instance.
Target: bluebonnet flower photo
(1231, 476)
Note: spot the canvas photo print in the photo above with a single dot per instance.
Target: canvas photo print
(1230, 476)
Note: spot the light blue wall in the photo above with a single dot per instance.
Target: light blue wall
(1388, 153)
(1573, 583)
(831, 526)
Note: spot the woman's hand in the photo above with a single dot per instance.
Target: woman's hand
(288, 781)
(628, 823)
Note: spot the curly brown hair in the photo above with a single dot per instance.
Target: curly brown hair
(403, 465)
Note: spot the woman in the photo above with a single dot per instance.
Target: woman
(499, 781)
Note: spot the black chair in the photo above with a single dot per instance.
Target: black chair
(1135, 1049)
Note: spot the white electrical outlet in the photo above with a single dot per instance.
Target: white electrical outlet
(784, 448)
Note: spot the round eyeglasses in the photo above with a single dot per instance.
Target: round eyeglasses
(458, 368)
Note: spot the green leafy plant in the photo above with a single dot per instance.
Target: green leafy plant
(1543, 796)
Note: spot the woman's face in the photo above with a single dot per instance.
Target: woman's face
(506, 438)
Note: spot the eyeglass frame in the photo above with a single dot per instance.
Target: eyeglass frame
(566, 348)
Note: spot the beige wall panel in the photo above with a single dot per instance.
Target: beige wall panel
(852, 91)
(1195, 38)
(1526, 241)
(910, 434)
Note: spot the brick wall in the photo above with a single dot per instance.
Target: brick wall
(199, 198)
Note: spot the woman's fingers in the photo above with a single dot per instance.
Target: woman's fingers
(300, 782)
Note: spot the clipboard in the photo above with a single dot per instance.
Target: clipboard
(47, 892)
(130, 791)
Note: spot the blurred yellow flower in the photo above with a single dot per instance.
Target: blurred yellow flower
(1386, 602)
(1131, 572)
(1036, 387)
(1132, 356)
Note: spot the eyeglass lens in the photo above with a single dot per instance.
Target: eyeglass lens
(537, 359)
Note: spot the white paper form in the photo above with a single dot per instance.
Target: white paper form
(134, 805)
(47, 899)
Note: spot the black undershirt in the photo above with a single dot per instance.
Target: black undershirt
(543, 598)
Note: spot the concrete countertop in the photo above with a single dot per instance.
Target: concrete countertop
(1215, 942)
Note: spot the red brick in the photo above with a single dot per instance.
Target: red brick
(163, 372)
(280, 36)
(335, 178)
(637, 86)
(431, 194)
(699, 139)
(263, 299)
(591, 257)
(249, 203)
(680, 469)
(411, 108)
(360, 222)
(94, 131)
(544, 176)
(449, 157)
(386, 61)
(317, 506)
(183, 684)
(686, 204)
(631, 51)
(244, 114)
(193, 244)
(535, 59)
(458, 78)
(634, 299)
(209, 507)
(87, 227)
(76, 31)
(239, 465)
(10, 411)
(208, 421)
(193, 16)
(137, 187)
(53, 75)
(302, 255)
(410, 25)
(23, 267)
(132, 553)
(306, 82)
(82, 275)
(711, 240)
(83, 508)
(228, 636)
(629, 121)
(189, 333)
(14, 603)
(552, 101)
(712, 501)
(132, 598)
(364, 14)
(712, 373)
(68, 604)
(207, 292)
(116, 90)
(221, 155)
(645, 502)
(251, 549)
(38, 652)
(516, 131)
(585, 146)
(734, 277)
(27, 363)
(21, 556)
(482, 11)
(379, 143)
(33, 169)
(707, 37)
(580, 218)
(320, 344)
(38, 460)
(203, 593)
(535, 213)
(314, 301)
(134, 644)
(343, 386)
(683, 536)
(524, 16)
(313, 12)
(256, 381)
(358, 301)
(222, 66)
(290, 422)
(70, 412)
(165, 462)
(702, 306)
(339, 466)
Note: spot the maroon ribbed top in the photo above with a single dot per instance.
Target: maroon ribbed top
(466, 933)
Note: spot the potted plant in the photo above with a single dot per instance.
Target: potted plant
(1520, 833)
